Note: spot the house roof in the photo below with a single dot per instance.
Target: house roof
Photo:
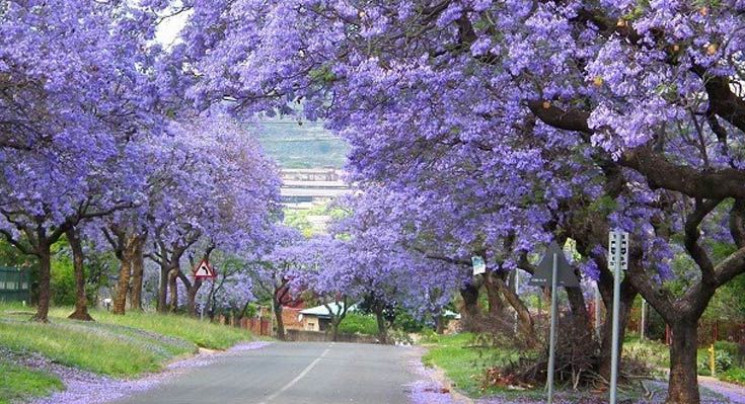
(323, 311)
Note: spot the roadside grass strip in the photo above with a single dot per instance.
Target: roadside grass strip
(82, 347)
(200, 333)
(18, 383)
(465, 362)
(117, 346)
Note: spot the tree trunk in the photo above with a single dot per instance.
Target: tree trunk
(138, 271)
(579, 308)
(125, 273)
(496, 304)
(162, 305)
(45, 268)
(278, 317)
(382, 329)
(525, 321)
(81, 303)
(335, 329)
(440, 324)
(470, 311)
(191, 296)
(173, 290)
(683, 387)
(628, 294)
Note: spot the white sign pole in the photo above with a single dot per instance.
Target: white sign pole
(618, 250)
(552, 335)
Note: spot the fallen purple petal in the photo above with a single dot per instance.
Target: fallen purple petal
(84, 387)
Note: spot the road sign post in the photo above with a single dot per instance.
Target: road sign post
(618, 254)
(553, 268)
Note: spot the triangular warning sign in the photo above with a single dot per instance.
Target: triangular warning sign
(204, 270)
(544, 270)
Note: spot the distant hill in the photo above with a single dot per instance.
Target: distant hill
(301, 146)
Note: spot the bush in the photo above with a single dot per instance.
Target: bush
(722, 360)
(737, 351)
(734, 375)
(355, 323)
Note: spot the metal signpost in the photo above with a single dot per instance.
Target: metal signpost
(618, 260)
(554, 269)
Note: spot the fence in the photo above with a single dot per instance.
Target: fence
(14, 285)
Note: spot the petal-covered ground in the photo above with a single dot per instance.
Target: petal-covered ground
(433, 388)
(88, 388)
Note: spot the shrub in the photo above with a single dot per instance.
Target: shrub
(355, 323)
(734, 375)
(722, 360)
(737, 351)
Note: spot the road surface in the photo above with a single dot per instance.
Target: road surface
(294, 373)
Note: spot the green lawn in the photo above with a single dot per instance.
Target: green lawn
(200, 333)
(18, 383)
(121, 346)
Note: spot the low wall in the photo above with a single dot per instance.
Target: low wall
(317, 336)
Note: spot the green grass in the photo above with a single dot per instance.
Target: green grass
(652, 353)
(18, 383)
(200, 333)
(734, 375)
(465, 361)
(121, 346)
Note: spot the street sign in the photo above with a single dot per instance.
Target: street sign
(618, 240)
(542, 275)
(553, 270)
(479, 266)
(204, 271)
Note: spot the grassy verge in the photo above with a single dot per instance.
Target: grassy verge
(18, 383)
(465, 361)
(120, 346)
(200, 333)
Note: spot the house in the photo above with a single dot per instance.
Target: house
(319, 318)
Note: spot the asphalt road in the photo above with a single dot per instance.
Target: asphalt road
(294, 373)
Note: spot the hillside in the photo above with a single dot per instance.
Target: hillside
(301, 146)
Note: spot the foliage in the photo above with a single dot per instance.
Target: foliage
(722, 361)
(356, 323)
(734, 375)
(18, 383)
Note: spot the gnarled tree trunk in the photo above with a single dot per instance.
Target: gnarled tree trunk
(525, 321)
(496, 304)
(162, 305)
(45, 267)
(173, 289)
(138, 272)
(81, 301)
(470, 311)
(683, 364)
(125, 274)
